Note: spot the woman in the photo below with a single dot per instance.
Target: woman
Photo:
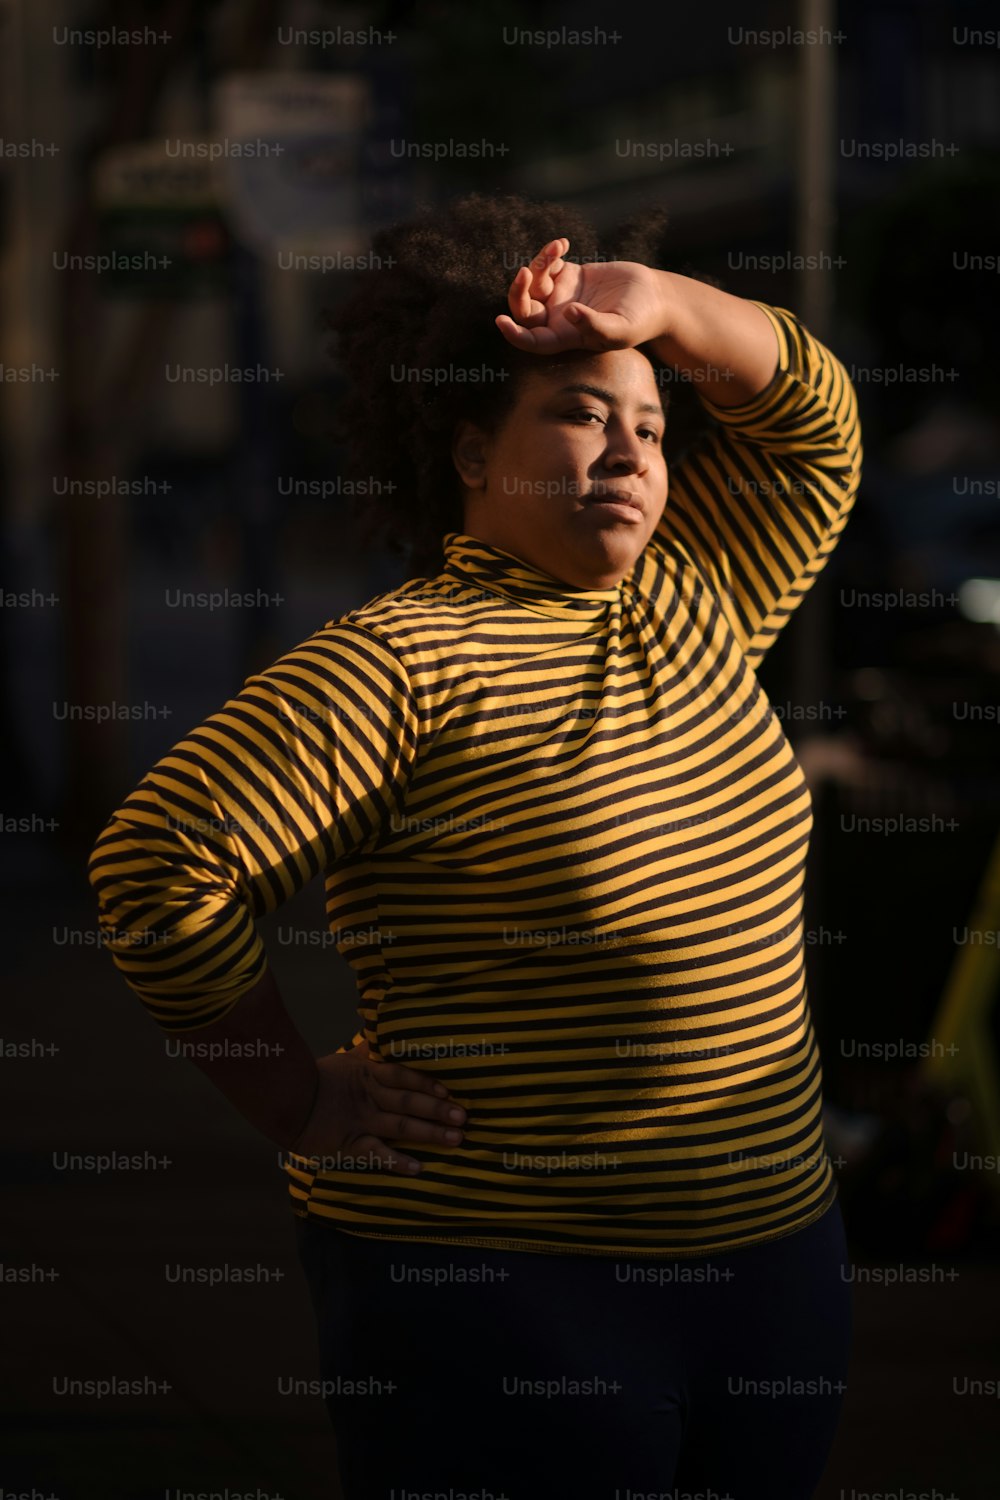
(574, 1156)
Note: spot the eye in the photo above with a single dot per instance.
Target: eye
(651, 433)
(583, 415)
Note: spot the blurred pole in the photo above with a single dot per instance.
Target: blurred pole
(32, 107)
(815, 217)
(101, 428)
(815, 186)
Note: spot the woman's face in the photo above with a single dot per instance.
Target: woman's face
(582, 429)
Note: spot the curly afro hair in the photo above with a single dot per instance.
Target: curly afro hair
(427, 303)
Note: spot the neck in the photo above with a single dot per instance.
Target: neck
(501, 571)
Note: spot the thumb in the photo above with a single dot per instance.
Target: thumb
(605, 330)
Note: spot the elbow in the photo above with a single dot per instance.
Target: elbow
(98, 866)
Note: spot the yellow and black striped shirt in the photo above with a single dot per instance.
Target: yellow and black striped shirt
(563, 835)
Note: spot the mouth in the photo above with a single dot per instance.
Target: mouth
(615, 501)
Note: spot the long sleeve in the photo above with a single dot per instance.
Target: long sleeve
(302, 768)
(760, 502)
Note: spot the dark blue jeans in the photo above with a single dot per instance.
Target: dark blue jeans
(529, 1376)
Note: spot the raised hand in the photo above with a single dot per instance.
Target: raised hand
(557, 304)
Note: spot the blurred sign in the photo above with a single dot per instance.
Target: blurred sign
(284, 170)
(161, 229)
(290, 158)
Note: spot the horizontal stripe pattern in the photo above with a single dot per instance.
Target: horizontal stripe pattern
(760, 504)
(300, 770)
(563, 837)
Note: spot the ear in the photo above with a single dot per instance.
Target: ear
(468, 453)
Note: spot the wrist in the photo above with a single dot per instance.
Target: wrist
(671, 315)
(725, 345)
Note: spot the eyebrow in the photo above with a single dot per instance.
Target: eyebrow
(603, 395)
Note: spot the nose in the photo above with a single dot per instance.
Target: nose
(625, 452)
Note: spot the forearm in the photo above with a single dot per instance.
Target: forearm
(724, 344)
(257, 1058)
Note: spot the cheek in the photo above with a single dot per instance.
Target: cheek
(555, 454)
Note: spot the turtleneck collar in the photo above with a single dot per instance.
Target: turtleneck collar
(478, 562)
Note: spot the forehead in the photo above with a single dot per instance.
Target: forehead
(626, 375)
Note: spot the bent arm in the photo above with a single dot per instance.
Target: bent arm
(725, 345)
(301, 769)
(759, 504)
(257, 1058)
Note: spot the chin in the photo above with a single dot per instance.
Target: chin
(620, 551)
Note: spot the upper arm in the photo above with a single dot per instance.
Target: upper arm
(759, 503)
(301, 768)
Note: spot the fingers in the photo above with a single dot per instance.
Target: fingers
(412, 1113)
(392, 1125)
(599, 330)
(389, 1126)
(519, 299)
(578, 328)
(538, 340)
(545, 267)
(392, 1161)
(398, 1076)
(535, 282)
(402, 1104)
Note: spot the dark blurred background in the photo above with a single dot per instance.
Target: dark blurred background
(840, 160)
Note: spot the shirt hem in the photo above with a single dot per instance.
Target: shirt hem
(498, 1242)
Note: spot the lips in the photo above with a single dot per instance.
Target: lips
(613, 496)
